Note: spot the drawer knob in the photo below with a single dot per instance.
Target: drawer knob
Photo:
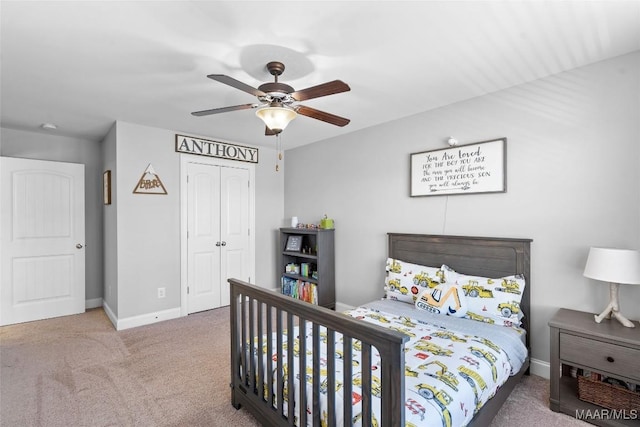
(610, 359)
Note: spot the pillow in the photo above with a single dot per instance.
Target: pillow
(490, 300)
(404, 280)
(446, 299)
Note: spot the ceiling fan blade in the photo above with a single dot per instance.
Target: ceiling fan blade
(268, 132)
(329, 88)
(321, 115)
(224, 109)
(236, 83)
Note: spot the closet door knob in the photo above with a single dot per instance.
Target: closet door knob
(217, 243)
(224, 243)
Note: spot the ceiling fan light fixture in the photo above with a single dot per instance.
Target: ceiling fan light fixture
(276, 117)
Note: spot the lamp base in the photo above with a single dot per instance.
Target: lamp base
(613, 309)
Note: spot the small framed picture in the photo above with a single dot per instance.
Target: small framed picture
(106, 187)
(294, 244)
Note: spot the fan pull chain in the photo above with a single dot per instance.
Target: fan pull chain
(279, 150)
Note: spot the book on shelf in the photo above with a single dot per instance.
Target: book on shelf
(300, 289)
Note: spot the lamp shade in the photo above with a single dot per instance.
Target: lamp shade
(613, 265)
(276, 117)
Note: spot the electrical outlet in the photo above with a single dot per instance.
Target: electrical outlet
(161, 292)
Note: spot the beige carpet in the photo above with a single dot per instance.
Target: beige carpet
(79, 371)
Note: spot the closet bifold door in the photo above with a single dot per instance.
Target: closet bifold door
(203, 241)
(218, 233)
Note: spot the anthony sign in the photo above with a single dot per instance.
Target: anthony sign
(223, 150)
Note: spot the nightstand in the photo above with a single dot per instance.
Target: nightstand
(607, 348)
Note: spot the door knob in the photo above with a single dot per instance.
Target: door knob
(217, 243)
(224, 243)
(79, 246)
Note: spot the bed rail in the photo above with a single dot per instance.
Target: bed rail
(257, 313)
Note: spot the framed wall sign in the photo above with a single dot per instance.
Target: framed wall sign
(223, 150)
(106, 187)
(294, 244)
(150, 183)
(465, 169)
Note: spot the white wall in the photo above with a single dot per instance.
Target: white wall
(573, 182)
(41, 146)
(147, 228)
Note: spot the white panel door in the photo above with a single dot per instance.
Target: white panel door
(42, 234)
(203, 242)
(234, 226)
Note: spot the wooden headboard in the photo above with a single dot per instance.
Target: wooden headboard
(478, 256)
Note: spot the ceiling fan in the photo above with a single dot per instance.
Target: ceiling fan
(279, 102)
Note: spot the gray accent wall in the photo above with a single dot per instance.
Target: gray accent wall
(147, 225)
(110, 223)
(269, 218)
(145, 233)
(573, 150)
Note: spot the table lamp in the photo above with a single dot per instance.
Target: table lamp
(615, 266)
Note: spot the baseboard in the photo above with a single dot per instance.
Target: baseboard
(540, 368)
(92, 303)
(110, 314)
(141, 320)
(147, 319)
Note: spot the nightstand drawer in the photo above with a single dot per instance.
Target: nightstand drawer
(600, 356)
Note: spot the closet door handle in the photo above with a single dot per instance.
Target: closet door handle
(217, 243)
(224, 243)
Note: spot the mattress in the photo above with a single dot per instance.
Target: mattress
(507, 337)
(452, 365)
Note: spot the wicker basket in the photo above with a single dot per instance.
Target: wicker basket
(607, 395)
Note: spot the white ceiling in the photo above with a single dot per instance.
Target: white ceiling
(83, 65)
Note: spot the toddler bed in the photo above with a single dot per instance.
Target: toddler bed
(391, 362)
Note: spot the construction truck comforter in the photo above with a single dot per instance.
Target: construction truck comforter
(453, 366)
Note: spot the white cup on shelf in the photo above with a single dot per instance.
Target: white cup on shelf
(294, 221)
